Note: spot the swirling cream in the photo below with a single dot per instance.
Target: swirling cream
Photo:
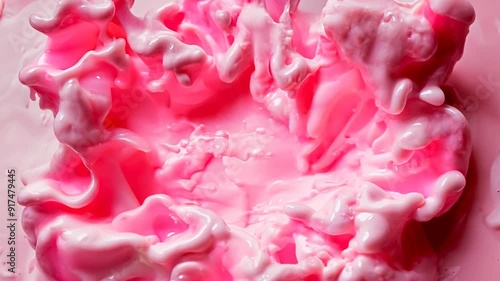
(246, 140)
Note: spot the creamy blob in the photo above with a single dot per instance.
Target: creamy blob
(246, 140)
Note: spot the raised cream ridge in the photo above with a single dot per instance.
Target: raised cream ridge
(245, 140)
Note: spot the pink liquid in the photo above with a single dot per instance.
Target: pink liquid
(138, 111)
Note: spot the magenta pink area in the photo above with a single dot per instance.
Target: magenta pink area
(242, 140)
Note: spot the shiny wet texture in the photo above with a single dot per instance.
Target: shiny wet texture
(312, 154)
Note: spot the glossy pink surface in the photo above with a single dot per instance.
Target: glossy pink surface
(286, 193)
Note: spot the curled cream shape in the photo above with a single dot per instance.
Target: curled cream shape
(246, 140)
